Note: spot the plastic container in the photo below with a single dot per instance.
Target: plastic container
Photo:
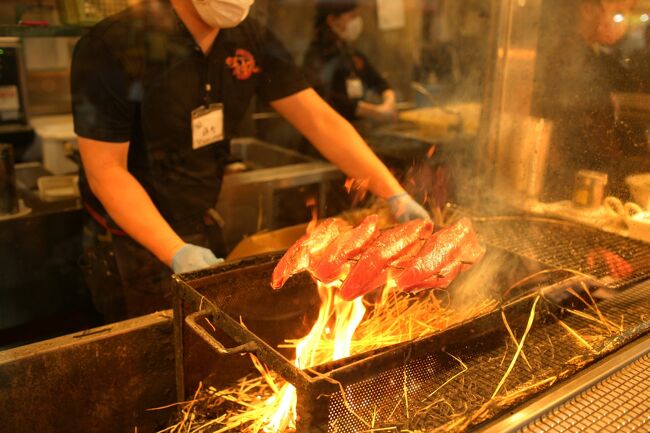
(53, 188)
(59, 142)
(589, 188)
(88, 12)
(639, 185)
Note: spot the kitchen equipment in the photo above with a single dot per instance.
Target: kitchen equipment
(88, 12)
(14, 115)
(589, 188)
(275, 189)
(128, 369)
(249, 317)
(563, 244)
(231, 310)
(639, 185)
(8, 193)
(520, 160)
(140, 350)
(12, 85)
(639, 226)
(52, 188)
(441, 121)
(270, 316)
(59, 142)
(636, 219)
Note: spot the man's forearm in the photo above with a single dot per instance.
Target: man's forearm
(131, 208)
(341, 144)
(337, 140)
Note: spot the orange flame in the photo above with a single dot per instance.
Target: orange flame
(312, 203)
(348, 316)
(357, 187)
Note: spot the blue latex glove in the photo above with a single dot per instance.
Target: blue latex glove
(191, 258)
(404, 208)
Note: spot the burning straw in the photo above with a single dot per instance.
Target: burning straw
(393, 318)
(398, 318)
(250, 404)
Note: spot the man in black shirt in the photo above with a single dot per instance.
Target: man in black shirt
(158, 90)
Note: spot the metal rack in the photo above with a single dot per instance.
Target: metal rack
(44, 31)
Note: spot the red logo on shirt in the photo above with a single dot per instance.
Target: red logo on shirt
(359, 64)
(243, 64)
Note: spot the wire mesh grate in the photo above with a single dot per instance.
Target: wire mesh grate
(619, 403)
(614, 260)
(452, 391)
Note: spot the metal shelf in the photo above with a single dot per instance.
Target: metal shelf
(42, 31)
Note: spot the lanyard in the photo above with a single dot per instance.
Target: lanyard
(348, 56)
(205, 86)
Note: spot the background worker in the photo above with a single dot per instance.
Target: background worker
(580, 74)
(341, 74)
(158, 91)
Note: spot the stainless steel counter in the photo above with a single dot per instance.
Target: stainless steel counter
(272, 194)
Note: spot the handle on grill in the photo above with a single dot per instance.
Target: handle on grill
(191, 320)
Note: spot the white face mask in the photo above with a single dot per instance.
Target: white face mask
(352, 30)
(223, 13)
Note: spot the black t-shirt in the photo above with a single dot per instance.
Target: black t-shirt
(330, 63)
(137, 76)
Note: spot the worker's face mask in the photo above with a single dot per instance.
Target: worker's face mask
(351, 31)
(223, 14)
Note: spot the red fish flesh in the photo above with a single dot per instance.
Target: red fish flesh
(441, 258)
(348, 245)
(307, 250)
(398, 264)
(470, 253)
(387, 247)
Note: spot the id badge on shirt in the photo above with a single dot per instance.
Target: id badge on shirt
(354, 88)
(207, 125)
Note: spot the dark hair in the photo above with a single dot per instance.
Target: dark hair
(332, 7)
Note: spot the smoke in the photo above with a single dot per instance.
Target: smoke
(491, 278)
(482, 282)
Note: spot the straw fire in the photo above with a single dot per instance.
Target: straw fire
(348, 263)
